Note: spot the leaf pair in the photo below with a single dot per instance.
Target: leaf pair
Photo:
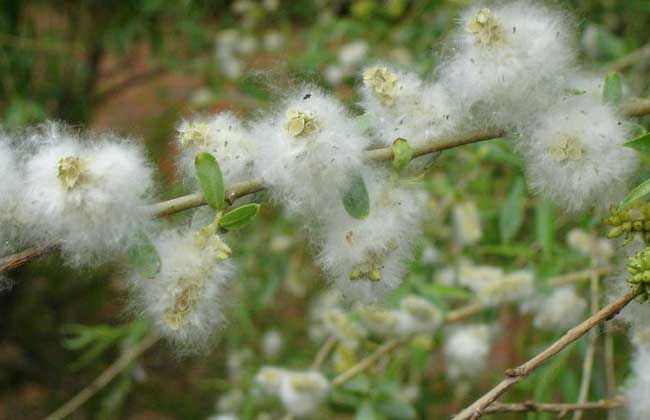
(143, 256)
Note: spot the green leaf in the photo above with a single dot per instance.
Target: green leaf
(239, 217)
(613, 88)
(640, 191)
(356, 200)
(367, 412)
(545, 224)
(394, 407)
(144, 259)
(442, 291)
(641, 143)
(402, 154)
(210, 179)
(512, 212)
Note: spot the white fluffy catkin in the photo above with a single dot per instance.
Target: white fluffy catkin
(185, 299)
(575, 155)
(637, 389)
(12, 228)
(307, 151)
(365, 259)
(466, 350)
(506, 58)
(224, 137)
(87, 192)
(403, 106)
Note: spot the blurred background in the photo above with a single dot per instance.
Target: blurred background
(139, 66)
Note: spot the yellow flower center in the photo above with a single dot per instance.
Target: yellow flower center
(382, 82)
(486, 28)
(195, 135)
(73, 171)
(300, 124)
(567, 148)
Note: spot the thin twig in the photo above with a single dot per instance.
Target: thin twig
(364, 364)
(588, 363)
(581, 275)
(104, 378)
(476, 409)
(323, 353)
(631, 59)
(13, 261)
(529, 406)
(610, 372)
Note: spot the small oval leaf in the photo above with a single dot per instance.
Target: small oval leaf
(613, 88)
(355, 199)
(144, 259)
(512, 212)
(402, 154)
(211, 180)
(239, 217)
(641, 143)
(640, 191)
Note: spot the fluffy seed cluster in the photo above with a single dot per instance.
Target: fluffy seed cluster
(224, 137)
(301, 392)
(507, 55)
(575, 156)
(466, 350)
(87, 192)
(311, 149)
(559, 311)
(185, 299)
(11, 199)
(493, 286)
(365, 258)
(415, 315)
(636, 389)
(403, 106)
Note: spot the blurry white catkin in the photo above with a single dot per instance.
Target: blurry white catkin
(559, 311)
(185, 299)
(224, 137)
(467, 223)
(575, 155)
(310, 150)
(466, 350)
(87, 192)
(302, 392)
(637, 389)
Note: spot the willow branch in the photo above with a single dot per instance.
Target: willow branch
(633, 108)
(631, 59)
(323, 353)
(364, 364)
(244, 188)
(531, 406)
(104, 378)
(610, 371)
(581, 275)
(513, 376)
(588, 363)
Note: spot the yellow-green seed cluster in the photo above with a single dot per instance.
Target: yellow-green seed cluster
(628, 221)
(639, 267)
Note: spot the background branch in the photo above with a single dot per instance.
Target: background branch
(475, 410)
